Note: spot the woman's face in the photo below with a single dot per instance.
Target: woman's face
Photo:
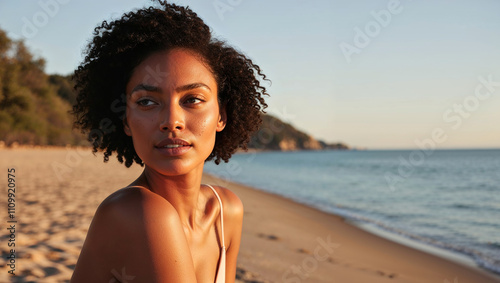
(173, 112)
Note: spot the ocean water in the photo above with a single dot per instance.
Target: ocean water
(449, 199)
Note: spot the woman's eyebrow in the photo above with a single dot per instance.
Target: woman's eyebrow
(151, 88)
(146, 88)
(192, 86)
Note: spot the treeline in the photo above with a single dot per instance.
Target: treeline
(33, 105)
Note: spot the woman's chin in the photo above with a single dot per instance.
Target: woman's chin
(176, 167)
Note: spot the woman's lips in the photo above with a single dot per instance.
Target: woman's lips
(173, 146)
(174, 151)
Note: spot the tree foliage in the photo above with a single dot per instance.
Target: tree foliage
(33, 106)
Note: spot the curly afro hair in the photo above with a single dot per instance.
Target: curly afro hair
(119, 46)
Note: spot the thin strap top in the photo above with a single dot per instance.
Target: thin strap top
(221, 270)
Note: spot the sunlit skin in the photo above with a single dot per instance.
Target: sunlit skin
(178, 102)
(164, 227)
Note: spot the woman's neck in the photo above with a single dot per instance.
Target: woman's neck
(182, 191)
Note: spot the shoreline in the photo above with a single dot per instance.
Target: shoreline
(359, 255)
(421, 246)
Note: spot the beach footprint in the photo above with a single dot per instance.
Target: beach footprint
(245, 276)
(269, 237)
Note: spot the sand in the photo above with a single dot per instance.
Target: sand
(59, 189)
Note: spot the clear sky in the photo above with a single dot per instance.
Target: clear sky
(377, 74)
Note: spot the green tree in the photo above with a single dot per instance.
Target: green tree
(34, 107)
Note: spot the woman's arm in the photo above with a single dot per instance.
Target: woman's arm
(135, 236)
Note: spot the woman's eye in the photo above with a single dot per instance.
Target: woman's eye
(193, 100)
(145, 102)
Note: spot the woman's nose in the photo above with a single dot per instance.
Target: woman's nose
(172, 118)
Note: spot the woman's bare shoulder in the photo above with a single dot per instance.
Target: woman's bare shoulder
(132, 232)
(135, 214)
(233, 206)
(136, 210)
(135, 201)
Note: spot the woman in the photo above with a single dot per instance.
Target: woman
(158, 90)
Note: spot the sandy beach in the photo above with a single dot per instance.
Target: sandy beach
(59, 189)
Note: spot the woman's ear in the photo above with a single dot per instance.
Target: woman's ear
(126, 128)
(221, 124)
